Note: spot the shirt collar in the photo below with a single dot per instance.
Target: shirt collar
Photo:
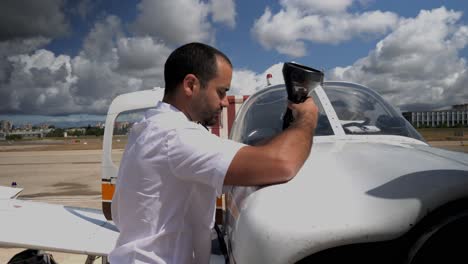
(165, 108)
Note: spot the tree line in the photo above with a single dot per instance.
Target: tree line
(89, 131)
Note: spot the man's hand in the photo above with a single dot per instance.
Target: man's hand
(305, 114)
(280, 159)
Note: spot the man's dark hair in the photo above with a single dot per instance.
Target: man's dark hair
(193, 58)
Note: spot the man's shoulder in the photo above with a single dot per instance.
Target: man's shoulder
(170, 121)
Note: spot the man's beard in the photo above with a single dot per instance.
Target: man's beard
(210, 118)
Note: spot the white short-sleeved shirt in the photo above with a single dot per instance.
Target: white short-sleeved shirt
(170, 174)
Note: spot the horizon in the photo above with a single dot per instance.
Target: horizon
(80, 121)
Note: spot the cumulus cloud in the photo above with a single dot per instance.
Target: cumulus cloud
(84, 8)
(37, 81)
(246, 82)
(181, 21)
(15, 47)
(22, 19)
(100, 42)
(18, 46)
(301, 21)
(318, 6)
(176, 22)
(418, 65)
(96, 81)
(142, 58)
(26, 26)
(104, 69)
(224, 11)
(112, 61)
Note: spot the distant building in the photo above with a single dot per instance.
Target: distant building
(122, 125)
(122, 128)
(29, 134)
(5, 125)
(73, 130)
(460, 107)
(27, 127)
(445, 118)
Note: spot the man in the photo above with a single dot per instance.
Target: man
(173, 168)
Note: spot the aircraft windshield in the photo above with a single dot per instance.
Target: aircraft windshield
(262, 117)
(361, 111)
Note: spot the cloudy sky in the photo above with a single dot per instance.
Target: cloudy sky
(67, 60)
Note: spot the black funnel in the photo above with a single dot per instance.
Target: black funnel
(300, 80)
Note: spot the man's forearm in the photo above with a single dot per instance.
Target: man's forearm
(280, 158)
(294, 144)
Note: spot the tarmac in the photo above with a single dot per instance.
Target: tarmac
(69, 177)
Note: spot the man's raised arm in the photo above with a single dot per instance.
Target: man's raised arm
(280, 159)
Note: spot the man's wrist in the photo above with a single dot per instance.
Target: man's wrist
(305, 123)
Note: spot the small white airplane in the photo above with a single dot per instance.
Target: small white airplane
(372, 190)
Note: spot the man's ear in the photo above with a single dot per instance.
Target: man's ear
(190, 84)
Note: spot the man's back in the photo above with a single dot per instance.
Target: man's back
(166, 189)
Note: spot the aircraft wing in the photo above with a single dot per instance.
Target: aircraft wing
(26, 224)
(9, 192)
(51, 227)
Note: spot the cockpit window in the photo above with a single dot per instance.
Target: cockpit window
(261, 117)
(361, 111)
